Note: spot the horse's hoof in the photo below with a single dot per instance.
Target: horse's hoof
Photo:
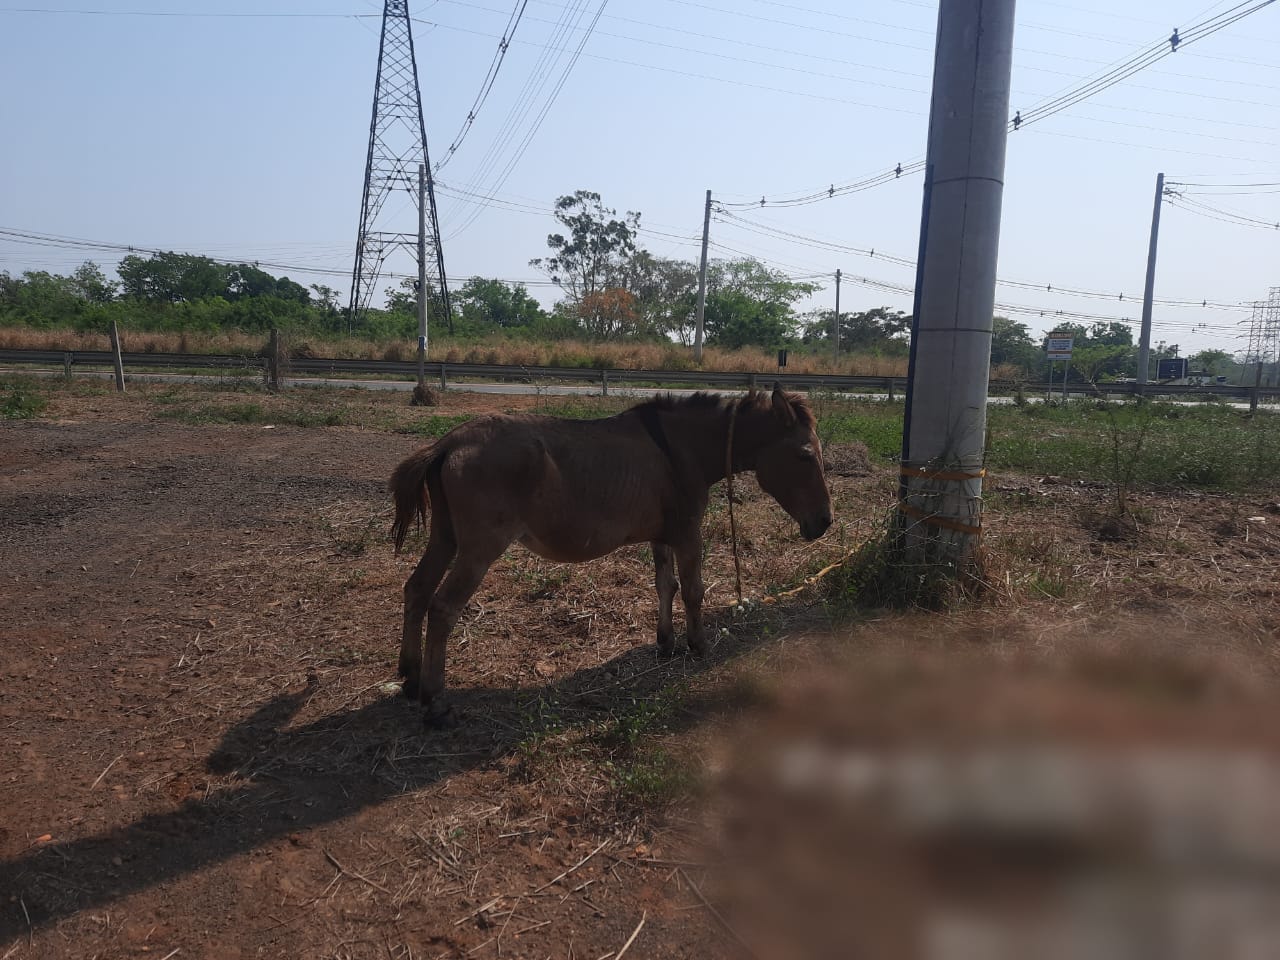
(698, 649)
(409, 688)
(441, 718)
(666, 647)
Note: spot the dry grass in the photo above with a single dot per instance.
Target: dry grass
(251, 603)
(495, 350)
(235, 343)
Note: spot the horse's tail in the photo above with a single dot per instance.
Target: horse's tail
(410, 488)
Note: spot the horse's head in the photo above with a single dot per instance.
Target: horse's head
(789, 465)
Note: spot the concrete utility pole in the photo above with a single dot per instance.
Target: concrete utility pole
(1144, 340)
(944, 431)
(422, 275)
(835, 332)
(702, 281)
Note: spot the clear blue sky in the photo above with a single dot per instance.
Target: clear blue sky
(245, 137)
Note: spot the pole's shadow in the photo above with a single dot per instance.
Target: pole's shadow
(319, 773)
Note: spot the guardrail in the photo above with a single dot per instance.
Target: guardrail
(604, 376)
(443, 372)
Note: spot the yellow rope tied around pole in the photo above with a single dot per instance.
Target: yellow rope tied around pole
(941, 474)
(728, 480)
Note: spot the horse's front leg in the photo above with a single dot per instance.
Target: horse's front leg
(664, 570)
(689, 559)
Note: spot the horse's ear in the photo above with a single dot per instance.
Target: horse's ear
(782, 406)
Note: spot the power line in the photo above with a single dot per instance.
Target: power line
(764, 229)
(55, 241)
(486, 84)
(1002, 307)
(492, 158)
(1216, 213)
(775, 49)
(1257, 188)
(1041, 111)
(220, 15)
(546, 109)
(1140, 61)
(529, 91)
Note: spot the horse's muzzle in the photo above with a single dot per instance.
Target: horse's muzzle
(814, 527)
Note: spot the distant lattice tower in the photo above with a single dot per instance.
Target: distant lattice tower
(1264, 333)
(397, 145)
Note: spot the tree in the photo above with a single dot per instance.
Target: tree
(880, 330)
(172, 277)
(666, 293)
(1101, 351)
(92, 285)
(1214, 362)
(1011, 343)
(404, 300)
(248, 280)
(41, 298)
(595, 254)
(734, 319)
(495, 303)
(1163, 351)
(326, 298)
(750, 304)
(1111, 334)
(608, 313)
(1095, 360)
(245, 280)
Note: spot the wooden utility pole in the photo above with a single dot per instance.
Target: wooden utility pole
(702, 281)
(422, 277)
(116, 358)
(835, 329)
(944, 430)
(273, 361)
(1144, 340)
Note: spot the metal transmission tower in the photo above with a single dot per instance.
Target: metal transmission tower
(397, 145)
(1264, 335)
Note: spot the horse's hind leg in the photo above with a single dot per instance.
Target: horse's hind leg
(443, 611)
(664, 569)
(418, 590)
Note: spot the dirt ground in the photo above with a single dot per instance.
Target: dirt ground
(204, 753)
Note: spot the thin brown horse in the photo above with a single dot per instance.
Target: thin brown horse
(575, 490)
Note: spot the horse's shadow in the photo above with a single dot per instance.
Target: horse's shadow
(291, 779)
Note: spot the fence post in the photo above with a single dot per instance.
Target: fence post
(66, 366)
(119, 363)
(891, 397)
(1253, 394)
(273, 362)
(604, 383)
(444, 384)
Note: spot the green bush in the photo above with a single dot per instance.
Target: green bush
(19, 402)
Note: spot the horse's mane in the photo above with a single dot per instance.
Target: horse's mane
(759, 401)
